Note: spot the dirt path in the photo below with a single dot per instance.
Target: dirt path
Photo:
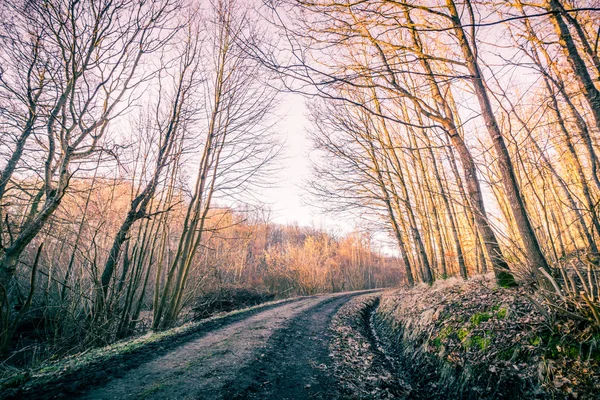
(277, 353)
(296, 363)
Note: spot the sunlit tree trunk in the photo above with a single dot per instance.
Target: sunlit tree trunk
(589, 89)
(513, 192)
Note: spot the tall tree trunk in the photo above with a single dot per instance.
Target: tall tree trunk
(532, 247)
(447, 120)
(591, 93)
(405, 199)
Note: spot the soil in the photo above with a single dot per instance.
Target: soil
(474, 340)
(74, 384)
(363, 369)
(446, 341)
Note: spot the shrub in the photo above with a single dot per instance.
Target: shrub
(228, 299)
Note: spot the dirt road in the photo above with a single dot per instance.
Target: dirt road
(278, 353)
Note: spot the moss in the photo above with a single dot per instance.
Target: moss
(444, 333)
(481, 343)
(552, 344)
(505, 279)
(502, 313)
(507, 354)
(442, 336)
(478, 318)
(463, 333)
(535, 341)
(572, 351)
(558, 347)
(552, 353)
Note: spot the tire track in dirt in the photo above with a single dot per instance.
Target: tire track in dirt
(296, 364)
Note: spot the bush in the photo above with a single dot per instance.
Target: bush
(228, 299)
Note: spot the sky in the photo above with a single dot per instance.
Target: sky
(288, 200)
(285, 198)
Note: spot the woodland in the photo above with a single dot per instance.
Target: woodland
(135, 136)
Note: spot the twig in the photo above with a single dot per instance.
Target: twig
(593, 308)
(556, 287)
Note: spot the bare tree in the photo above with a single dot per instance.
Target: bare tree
(83, 62)
(172, 114)
(235, 147)
(339, 42)
(71, 69)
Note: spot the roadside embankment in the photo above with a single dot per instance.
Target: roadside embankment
(474, 340)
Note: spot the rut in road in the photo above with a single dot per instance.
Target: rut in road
(211, 366)
(296, 364)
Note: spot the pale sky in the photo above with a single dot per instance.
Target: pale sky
(286, 199)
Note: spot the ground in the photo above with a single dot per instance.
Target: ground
(456, 339)
(279, 351)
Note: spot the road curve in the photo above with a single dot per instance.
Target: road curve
(278, 353)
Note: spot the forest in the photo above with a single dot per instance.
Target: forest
(137, 135)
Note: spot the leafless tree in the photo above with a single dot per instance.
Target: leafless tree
(236, 144)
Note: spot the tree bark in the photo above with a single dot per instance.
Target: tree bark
(590, 92)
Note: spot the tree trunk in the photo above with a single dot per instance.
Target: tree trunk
(590, 92)
(532, 247)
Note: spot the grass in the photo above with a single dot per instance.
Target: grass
(484, 325)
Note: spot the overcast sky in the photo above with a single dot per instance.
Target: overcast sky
(285, 199)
